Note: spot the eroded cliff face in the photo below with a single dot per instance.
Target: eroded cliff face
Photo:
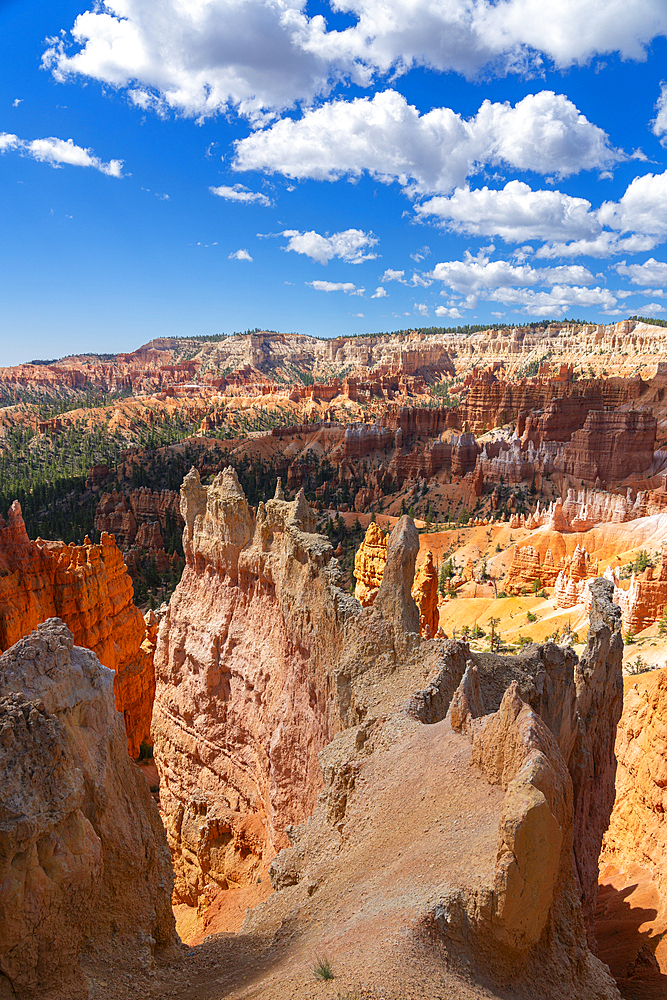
(280, 698)
(464, 826)
(637, 833)
(242, 705)
(85, 872)
(260, 660)
(89, 588)
(425, 594)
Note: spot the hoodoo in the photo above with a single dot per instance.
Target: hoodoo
(89, 588)
(263, 664)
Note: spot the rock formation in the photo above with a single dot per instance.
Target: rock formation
(645, 600)
(527, 569)
(503, 794)
(637, 834)
(611, 446)
(84, 866)
(89, 588)
(571, 581)
(124, 517)
(425, 594)
(257, 666)
(369, 563)
(263, 663)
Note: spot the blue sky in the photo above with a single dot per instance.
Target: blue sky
(205, 166)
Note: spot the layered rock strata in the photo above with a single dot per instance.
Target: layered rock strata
(263, 663)
(89, 588)
(425, 595)
(610, 446)
(645, 600)
(84, 866)
(369, 563)
(528, 570)
(637, 833)
(261, 658)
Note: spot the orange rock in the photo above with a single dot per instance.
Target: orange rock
(646, 598)
(468, 570)
(425, 594)
(89, 588)
(570, 587)
(369, 564)
(84, 858)
(637, 831)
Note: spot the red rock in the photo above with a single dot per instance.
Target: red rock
(610, 446)
(89, 588)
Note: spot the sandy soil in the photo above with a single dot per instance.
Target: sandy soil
(365, 894)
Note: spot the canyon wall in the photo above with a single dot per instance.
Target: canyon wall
(273, 686)
(89, 588)
(258, 664)
(637, 834)
(610, 446)
(84, 865)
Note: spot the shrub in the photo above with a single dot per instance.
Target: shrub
(531, 617)
(638, 666)
(322, 970)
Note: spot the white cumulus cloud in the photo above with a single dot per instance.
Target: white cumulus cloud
(605, 245)
(642, 209)
(240, 193)
(557, 301)
(391, 275)
(659, 123)
(514, 213)
(58, 152)
(350, 245)
(380, 293)
(240, 255)
(480, 274)
(435, 152)
(651, 272)
(451, 312)
(200, 58)
(336, 286)
(569, 226)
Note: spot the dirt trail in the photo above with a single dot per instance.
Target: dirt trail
(421, 819)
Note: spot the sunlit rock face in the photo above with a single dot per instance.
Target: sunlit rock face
(369, 563)
(637, 833)
(260, 660)
(84, 863)
(468, 821)
(89, 588)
